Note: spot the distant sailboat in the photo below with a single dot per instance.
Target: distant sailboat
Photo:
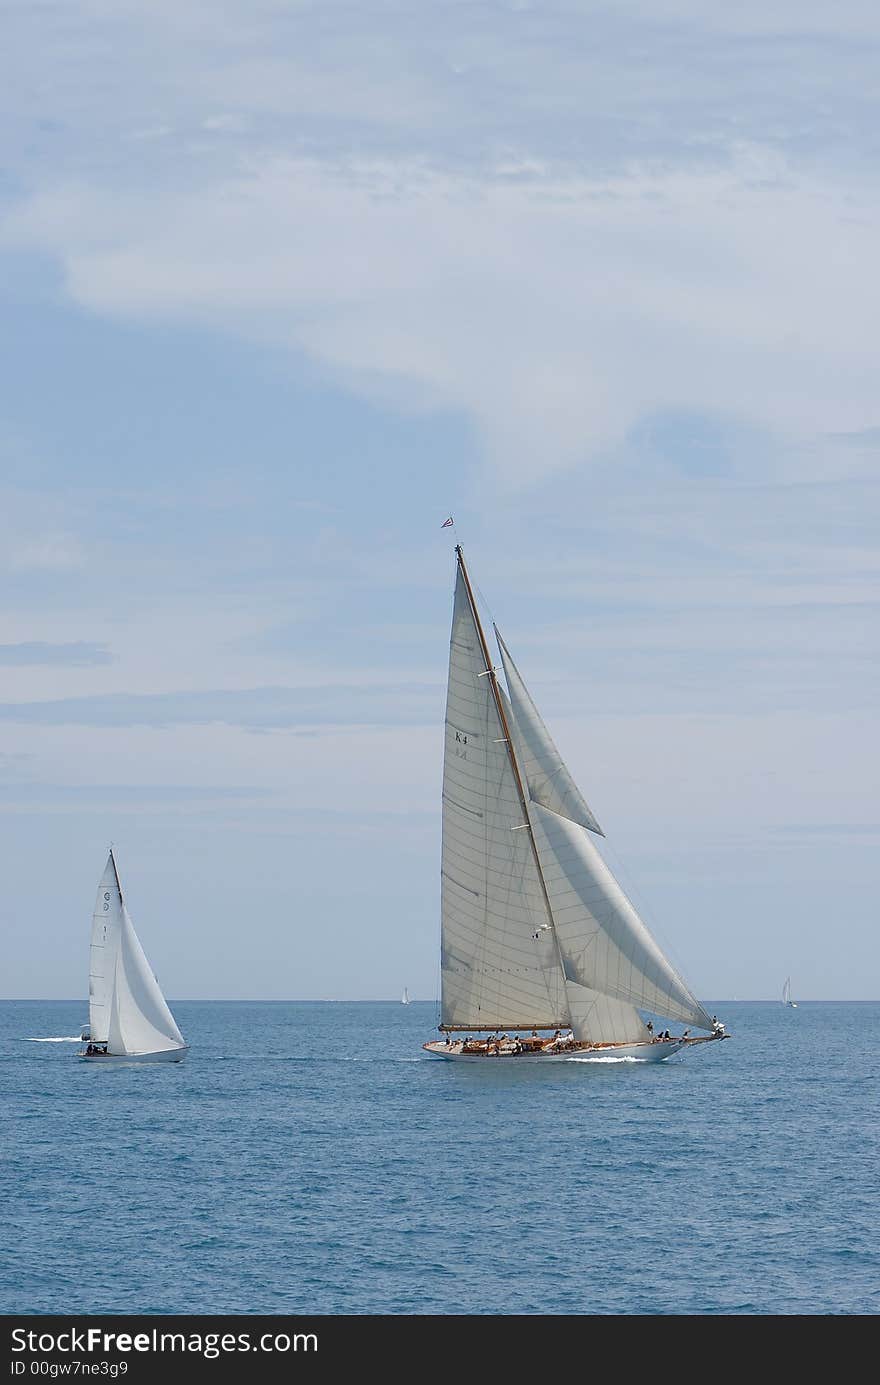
(536, 933)
(129, 1018)
(786, 995)
(404, 999)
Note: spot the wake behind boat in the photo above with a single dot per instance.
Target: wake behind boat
(129, 1018)
(543, 957)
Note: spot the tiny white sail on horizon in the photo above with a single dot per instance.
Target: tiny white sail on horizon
(128, 1014)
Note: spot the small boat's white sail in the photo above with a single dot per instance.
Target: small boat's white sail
(127, 1010)
(404, 999)
(140, 1021)
(786, 995)
(106, 930)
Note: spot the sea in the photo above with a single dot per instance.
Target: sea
(310, 1158)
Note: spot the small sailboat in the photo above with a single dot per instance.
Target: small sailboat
(129, 1019)
(404, 999)
(786, 995)
(543, 957)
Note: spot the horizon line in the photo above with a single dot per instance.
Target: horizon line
(391, 1000)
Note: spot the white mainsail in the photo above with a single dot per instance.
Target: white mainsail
(127, 1009)
(535, 930)
(492, 903)
(106, 929)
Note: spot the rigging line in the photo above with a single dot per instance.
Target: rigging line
(482, 996)
(475, 590)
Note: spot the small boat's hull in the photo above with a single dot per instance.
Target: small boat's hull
(167, 1055)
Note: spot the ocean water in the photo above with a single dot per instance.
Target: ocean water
(309, 1158)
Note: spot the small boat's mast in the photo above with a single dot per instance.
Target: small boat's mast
(116, 873)
(502, 717)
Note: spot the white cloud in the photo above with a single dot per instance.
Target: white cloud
(555, 312)
(552, 218)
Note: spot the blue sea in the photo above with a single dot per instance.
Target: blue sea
(309, 1158)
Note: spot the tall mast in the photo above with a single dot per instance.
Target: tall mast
(502, 717)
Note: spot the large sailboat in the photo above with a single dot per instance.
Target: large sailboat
(129, 1019)
(543, 957)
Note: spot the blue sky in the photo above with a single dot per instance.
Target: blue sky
(283, 285)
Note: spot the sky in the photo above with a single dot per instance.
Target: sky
(282, 285)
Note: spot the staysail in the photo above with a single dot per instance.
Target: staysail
(600, 1019)
(594, 1016)
(604, 943)
(535, 930)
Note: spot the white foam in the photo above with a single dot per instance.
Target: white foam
(57, 1039)
(622, 1058)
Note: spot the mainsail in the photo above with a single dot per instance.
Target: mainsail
(493, 905)
(536, 931)
(127, 1009)
(106, 928)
